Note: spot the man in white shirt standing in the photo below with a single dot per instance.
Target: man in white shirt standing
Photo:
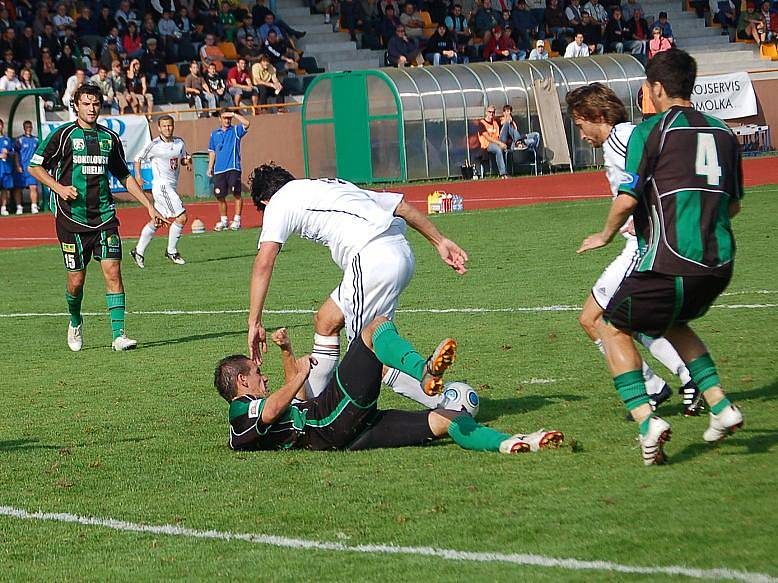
(9, 81)
(602, 121)
(167, 153)
(365, 232)
(577, 48)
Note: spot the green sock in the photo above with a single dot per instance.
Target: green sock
(74, 307)
(116, 304)
(703, 372)
(644, 425)
(631, 388)
(720, 406)
(395, 351)
(468, 434)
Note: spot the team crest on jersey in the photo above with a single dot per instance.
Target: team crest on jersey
(69, 247)
(78, 144)
(105, 145)
(112, 240)
(254, 409)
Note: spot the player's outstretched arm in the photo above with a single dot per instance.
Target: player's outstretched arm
(621, 209)
(260, 282)
(137, 193)
(278, 402)
(40, 174)
(449, 252)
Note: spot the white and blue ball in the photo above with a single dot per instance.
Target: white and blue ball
(459, 396)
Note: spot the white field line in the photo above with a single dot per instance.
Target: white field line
(518, 309)
(378, 549)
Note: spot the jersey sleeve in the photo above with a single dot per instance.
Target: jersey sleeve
(240, 130)
(184, 153)
(50, 151)
(276, 223)
(636, 165)
(212, 142)
(388, 201)
(146, 153)
(117, 165)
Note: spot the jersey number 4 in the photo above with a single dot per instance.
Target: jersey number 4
(707, 162)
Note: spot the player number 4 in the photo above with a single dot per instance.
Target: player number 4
(707, 163)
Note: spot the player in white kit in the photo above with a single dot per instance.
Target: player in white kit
(601, 119)
(167, 154)
(365, 232)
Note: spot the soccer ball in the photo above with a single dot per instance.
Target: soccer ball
(198, 226)
(459, 396)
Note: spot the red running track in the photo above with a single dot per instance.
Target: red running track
(29, 231)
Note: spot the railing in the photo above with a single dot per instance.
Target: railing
(177, 113)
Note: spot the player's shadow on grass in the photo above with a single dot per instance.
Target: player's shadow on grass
(762, 393)
(755, 441)
(492, 409)
(30, 443)
(210, 336)
(224, 258)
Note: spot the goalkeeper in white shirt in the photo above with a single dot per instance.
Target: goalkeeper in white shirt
(365, 233)
(601, 119)
(167, 154)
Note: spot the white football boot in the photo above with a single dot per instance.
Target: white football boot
(123, 343)
(652, 444)
(721, 425)
(515, 445)
(75, 337)
(220, 226)
(542, 439)
(175, 258)
(139, 260)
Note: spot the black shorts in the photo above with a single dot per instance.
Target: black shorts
(79, 248)
(651, 302)
(225, 183)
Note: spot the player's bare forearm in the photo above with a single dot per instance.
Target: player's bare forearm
(278, 402)
(419, 222)
(242, 119)
(260, 281)
(281, 339)
(137, 168)
(137, 193)
(211, 161)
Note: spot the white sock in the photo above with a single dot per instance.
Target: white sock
(145, 238)
(224, 219)
(326, 351)
(664, 352)
(407, 386)
(235, 219)
(173, 236)
(654, 383)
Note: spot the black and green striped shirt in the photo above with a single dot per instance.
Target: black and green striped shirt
(684, 167)
(81, 157)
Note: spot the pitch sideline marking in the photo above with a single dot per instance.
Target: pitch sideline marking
(388, 549)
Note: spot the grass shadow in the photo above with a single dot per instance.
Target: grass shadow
(492, 409)
(25, 444)
(766, 392)
(223, 258)
(755, 441)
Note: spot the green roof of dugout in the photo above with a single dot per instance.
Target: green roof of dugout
(417, 123)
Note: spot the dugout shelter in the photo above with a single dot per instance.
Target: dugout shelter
(419, 123)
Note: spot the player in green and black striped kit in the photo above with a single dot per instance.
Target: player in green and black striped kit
(683, 183)
(74, 161)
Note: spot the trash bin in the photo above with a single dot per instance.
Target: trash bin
(202, 182)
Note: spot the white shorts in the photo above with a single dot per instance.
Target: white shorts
(166, 201)
(614, 274)
(374, 279)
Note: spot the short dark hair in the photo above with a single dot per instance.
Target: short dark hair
(86, 89)
(594, 102)
(676, 70)
(225, 377)
(662, 15)
(265, 181)
(165, 117)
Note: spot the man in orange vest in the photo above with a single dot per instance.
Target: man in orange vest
(489, 137)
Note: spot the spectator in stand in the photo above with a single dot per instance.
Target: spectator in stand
(239, 83)
(640, 30)
(658, 43)
(102, 80)
(138, 86)
(148, 29)
(5, 19)
(327, 7)
(458, 24)
(509, 130)
(67, 63)
(87, 28)
(216, 84)
(132, 42)
(250, 50)
(10, 81)
(7, 39)
(27, 79)
(388, 25)
(10, 61)
(160, 6)
(770, 20)
(726, 16)
(555, 21)
(577, 48)
(268, 25)
(169, 34)
(26, 46)
(628, 9)
(489, 138)
(184, 22)
(352, 17)
(441, 48)
(524, 24)
(74, 82)
(403, 50)
(412, 21)
(42, 16)
(224, 166)
(153, 63)
(210, 53)
(280, 53)
(287, 30)
(501, 47)
(115, 38)
(258, 12)
(105, 20)
(618, 35)
(664, 25)
(597, 12)
(94, 65)
(48, 74)
(750, 24)
(246, 29)
(227, 22)
(49, 40)
(265, 79)
(505, 19)
(592, 34)
(574, 12)
(110, 54)
(124, 15)
(485, 19)
(119, 85)
(539, 52)
(62, 20)
(197, 90)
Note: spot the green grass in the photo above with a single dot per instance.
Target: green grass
(141, 436)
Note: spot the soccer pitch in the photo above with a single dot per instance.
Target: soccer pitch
(127, 451)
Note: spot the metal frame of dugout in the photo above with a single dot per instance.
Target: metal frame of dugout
(390, 124)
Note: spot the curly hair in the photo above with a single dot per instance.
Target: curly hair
(265, 182)
(594, 102)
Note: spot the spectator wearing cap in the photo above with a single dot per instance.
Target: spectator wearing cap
(664, 25)
(197, 90)
(403, 50)
(539, 52)
(153, 63)
(577, 48)
(441, 48)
